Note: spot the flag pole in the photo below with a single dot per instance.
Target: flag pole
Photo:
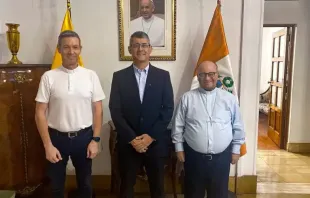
(69, 7)
(239, 88)
(219, 2)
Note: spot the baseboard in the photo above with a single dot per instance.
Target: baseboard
(298, 147)
(101, 184)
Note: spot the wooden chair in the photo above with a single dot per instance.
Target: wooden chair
(170, 166)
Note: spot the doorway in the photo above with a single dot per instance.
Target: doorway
(275, 86)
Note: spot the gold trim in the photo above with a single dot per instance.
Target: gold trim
(28, 190)
(22, 76)
(298, 147)
(122, 47)
(101, 184)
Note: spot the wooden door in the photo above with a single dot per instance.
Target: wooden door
(277, 86)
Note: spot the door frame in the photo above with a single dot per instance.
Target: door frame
(287, 87)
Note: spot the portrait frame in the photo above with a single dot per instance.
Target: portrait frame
(161, 53)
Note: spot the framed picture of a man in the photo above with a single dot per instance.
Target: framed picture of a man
(157, 18)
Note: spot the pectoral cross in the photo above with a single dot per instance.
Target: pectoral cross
(211, 121)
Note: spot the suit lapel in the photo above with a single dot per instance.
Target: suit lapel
(149, 83)
(133, 84)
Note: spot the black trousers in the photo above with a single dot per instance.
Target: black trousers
(206, 172)
(76, 148)
(129, 163)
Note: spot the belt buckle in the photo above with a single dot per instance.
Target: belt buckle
(74, 134)
(209, 157)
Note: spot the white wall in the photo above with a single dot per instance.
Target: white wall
(266, 57)
(96, 22)
(296, 12)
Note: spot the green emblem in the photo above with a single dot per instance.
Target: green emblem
(227, 83)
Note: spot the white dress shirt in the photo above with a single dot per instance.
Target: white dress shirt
(141, 77)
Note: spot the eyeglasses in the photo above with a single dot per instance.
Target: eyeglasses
(142, 45)
(210, 74)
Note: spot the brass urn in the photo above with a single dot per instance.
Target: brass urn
(13, 38)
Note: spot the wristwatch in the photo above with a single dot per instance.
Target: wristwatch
(96, 139)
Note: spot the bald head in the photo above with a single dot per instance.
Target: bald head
(206, 66)
(146, 8)
(207, 73)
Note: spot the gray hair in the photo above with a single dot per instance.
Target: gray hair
(66, 34)
(139, 34)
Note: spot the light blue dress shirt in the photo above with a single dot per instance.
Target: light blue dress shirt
(208, 121)
(141, 76)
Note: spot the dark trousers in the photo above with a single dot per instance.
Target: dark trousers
(206, 172)
(129, 163)
(76, 148)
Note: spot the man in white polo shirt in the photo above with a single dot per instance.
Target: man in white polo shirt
(69, 117)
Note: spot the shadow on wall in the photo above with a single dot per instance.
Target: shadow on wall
(187, 76)
(50, 28)
(4, 51)
(194, 53)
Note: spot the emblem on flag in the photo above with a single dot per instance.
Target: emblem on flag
(225, 83)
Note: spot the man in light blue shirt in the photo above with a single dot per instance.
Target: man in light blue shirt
(207, 131)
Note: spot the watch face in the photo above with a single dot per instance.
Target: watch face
(96, 139)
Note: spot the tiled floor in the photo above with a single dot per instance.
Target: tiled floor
(283, 167)
(279, 173)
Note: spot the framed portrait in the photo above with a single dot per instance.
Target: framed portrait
(157, 18)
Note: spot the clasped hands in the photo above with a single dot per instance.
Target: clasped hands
(141, 143)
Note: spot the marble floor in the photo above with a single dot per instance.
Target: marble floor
(279, 166)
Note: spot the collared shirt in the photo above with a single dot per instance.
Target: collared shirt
(69, 94)
(141, 76)
(208, 122)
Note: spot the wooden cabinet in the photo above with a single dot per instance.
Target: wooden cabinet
(22, 156)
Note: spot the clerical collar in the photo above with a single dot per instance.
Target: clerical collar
(70, 71)
(207, 92)
(148, 20)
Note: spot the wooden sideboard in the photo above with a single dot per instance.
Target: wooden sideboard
(22, 156)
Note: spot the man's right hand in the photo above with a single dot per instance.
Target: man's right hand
(181, 156)
(138, 145)
(52, 154)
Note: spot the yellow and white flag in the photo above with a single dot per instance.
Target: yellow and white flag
(66, 25)
(215, 49)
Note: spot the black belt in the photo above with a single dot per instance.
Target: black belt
(69, 134)
(208, 156)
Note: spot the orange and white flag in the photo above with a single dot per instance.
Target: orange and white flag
(215, 49)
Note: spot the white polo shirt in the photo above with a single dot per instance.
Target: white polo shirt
(69, 94)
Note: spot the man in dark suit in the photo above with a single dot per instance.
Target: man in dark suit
(141, 105)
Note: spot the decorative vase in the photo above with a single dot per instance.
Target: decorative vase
(13, 38)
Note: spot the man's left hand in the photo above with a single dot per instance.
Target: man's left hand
(92, 149)
(234, 158)
(146, 139)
